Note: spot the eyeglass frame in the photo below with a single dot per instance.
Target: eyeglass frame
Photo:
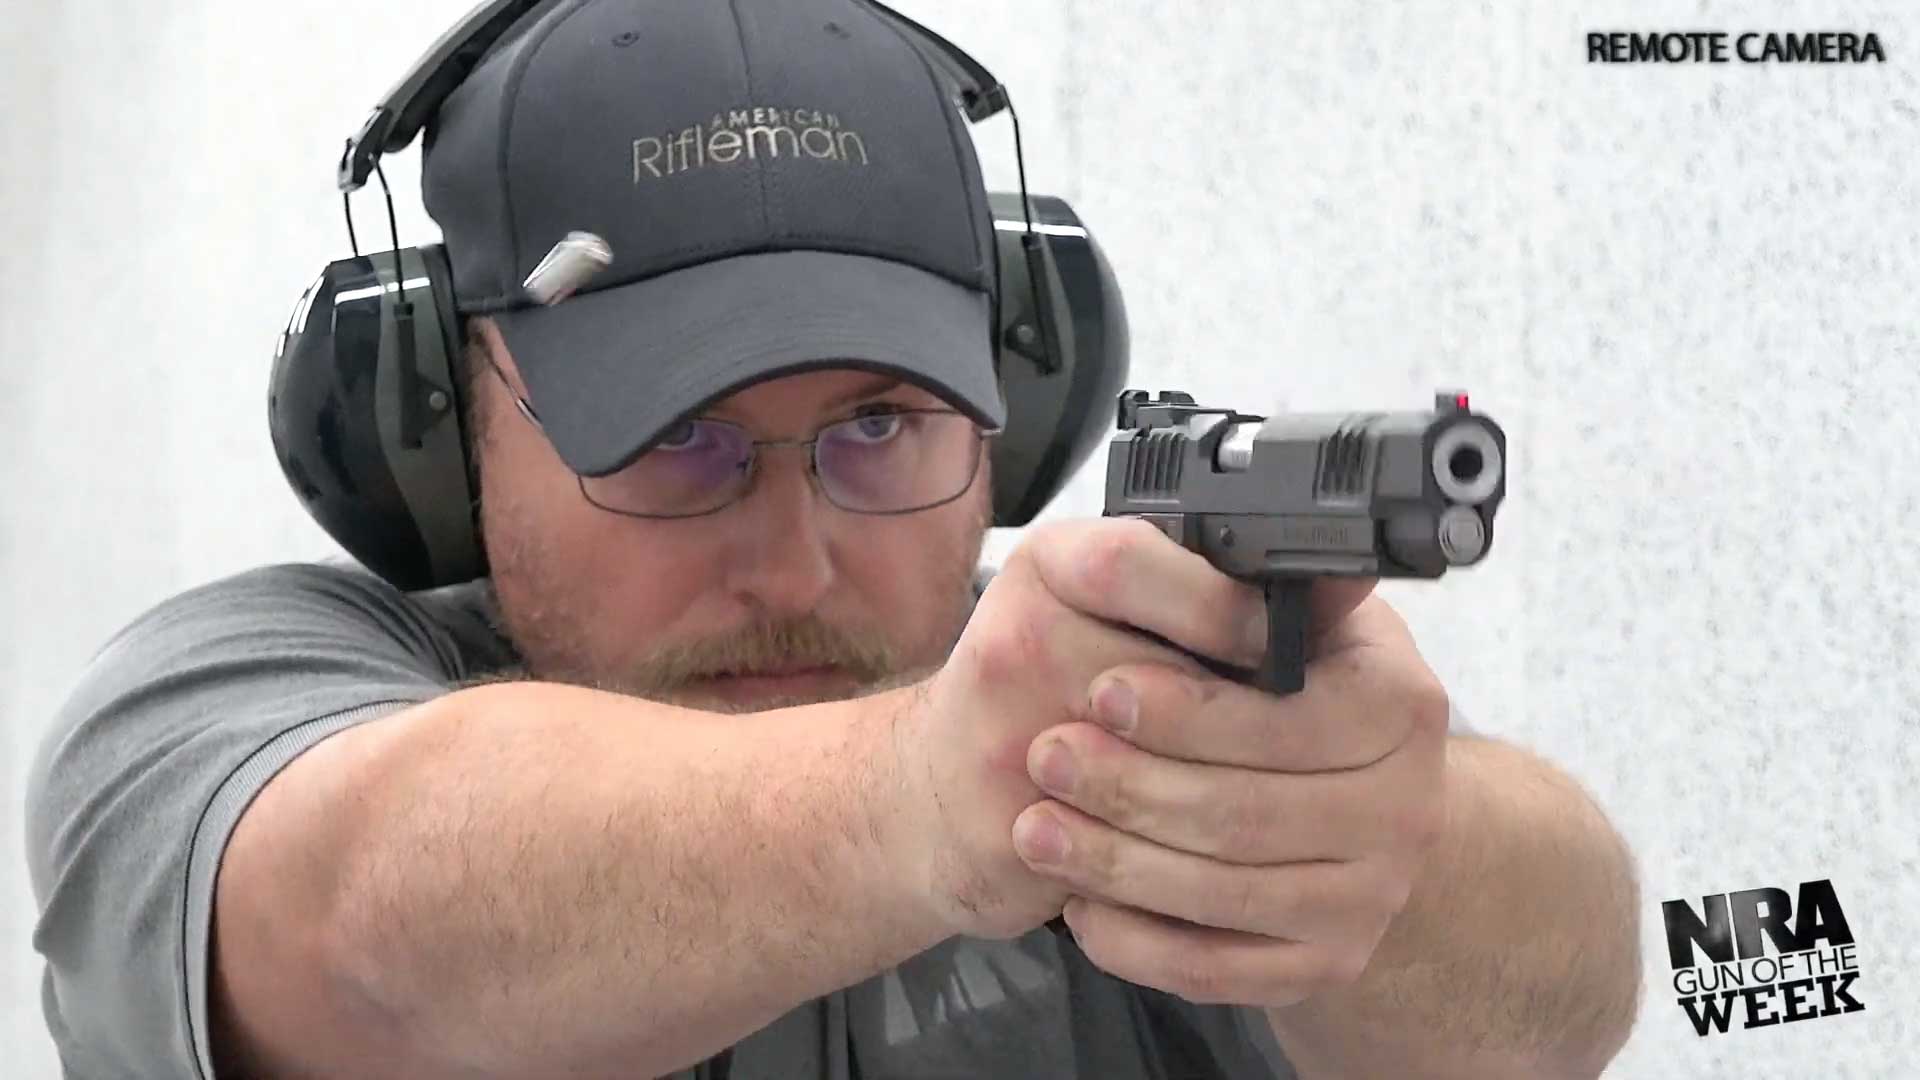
(981, 435)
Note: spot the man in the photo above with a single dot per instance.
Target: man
(730, 769)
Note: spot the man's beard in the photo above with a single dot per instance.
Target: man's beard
(669, 673)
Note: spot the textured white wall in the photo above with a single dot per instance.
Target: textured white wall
(1688, 293)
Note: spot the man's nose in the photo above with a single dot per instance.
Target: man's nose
(784, 562)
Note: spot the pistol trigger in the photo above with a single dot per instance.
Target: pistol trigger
(1284, 670)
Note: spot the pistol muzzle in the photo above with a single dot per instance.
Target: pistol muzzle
(1466, 463)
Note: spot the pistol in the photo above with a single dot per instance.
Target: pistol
(1277, 501)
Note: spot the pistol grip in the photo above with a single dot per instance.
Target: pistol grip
(1284, 670)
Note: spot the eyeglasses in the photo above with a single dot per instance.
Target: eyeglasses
(883, 460)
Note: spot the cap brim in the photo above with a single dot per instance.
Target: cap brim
(609, 371)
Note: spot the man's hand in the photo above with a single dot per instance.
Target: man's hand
(1023, 666)
(1231, 845)
(1228, 845)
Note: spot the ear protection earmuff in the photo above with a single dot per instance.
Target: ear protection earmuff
(366, 415)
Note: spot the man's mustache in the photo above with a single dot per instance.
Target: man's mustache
(763, 647)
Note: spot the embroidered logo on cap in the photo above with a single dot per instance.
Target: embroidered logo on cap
(748, 134)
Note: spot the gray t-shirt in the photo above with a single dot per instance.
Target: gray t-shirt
(183, 717)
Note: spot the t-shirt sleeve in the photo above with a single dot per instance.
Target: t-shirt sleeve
(173, 728)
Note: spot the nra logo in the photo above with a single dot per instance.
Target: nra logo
(1722, 965)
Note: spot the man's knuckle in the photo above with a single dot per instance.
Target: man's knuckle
(1428, 705)
(1242, 819)
(1376, 607)
(1016, 646)
(1023, 561)
(1104, 558)
(1199, 977)
(1099, 866)
(1162, 690)
(1118, 795)
(1140, 530)
(1247, 903)
(989, 655)
(1199, 689)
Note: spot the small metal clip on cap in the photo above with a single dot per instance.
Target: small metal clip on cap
(568, 267)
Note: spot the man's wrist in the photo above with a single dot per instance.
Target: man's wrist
(904, 824)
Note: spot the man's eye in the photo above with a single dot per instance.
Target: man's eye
(875, 427)
(684, 435)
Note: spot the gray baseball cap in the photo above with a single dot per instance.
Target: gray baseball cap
(786, 185)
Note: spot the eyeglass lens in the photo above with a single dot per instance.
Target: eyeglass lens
(889, 462)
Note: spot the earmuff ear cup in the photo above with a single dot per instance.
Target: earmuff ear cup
(1059, 408)
(374, 451)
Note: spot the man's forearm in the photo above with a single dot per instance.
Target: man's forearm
(1517, 953)
(567, 882)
